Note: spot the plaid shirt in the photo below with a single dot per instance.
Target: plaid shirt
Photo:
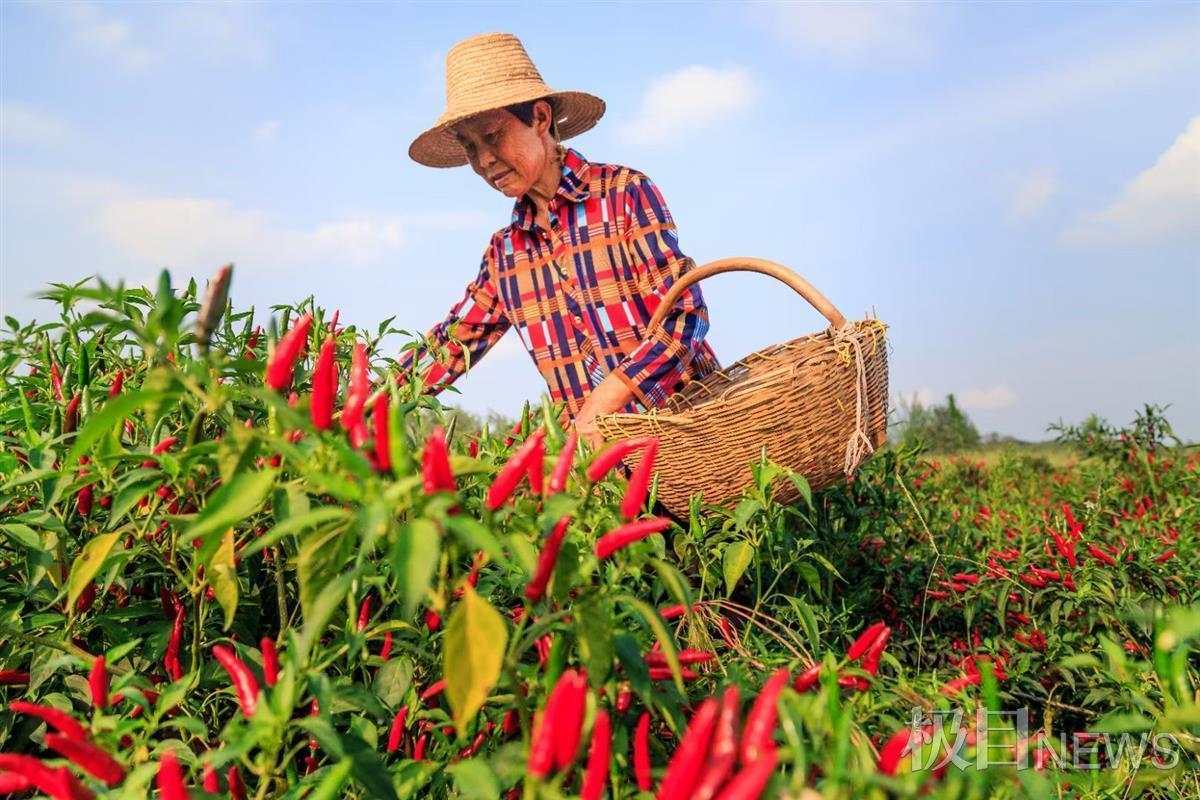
(579, 295)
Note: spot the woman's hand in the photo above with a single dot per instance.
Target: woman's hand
(610, 396)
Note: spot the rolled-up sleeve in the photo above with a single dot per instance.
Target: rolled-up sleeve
(658, 366)
(475, 323)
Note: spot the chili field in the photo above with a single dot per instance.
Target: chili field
(238, 561)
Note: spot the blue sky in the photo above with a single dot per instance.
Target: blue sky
(1013, 187)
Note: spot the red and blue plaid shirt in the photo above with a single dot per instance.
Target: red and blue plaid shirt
(580, 294)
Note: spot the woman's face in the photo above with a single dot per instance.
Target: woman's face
(508, 154)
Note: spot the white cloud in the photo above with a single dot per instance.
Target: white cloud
(104, 35)
(1161, 203)
(682, 101)
(849, 30)
(21, 124)
(990, 399)
(1030, 194)
(266, 131)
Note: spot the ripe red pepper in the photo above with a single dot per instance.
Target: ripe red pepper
(88, 757)
(568, 727)
(641, 752)
(562, 467)
(252, 341)
(752, 780)
(895, 749)
(383, 440)
(870, 662)
(170, 778)
(83, 500)
(808, 678)
(541, 746)
(396, 734)
(520, 464)
(613, 454)
(270, 661)
(63, 722)
(958, 684)
(760, 722)
(671, 612)
(1167, 556)
(385, 649)
(687, 656)
(243, 679)
(435, 688)
(629, 533)
(71, 414)
(419, 748)
(356, 396)
(596, 775)
(547, 558)
(436, 475)
(98, 683)
(171, 662)
(324, 387)
(287, 350)
(13, 677)
(864, 641)
(684, 767)
(664, 674)
(56, 382)
(639, 482)
(58, 783)
(165, 445)
(237, 787)
(12, 783)
(722, 753)
(212, 782)
(364, 613)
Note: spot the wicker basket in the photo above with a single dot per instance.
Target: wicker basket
(817, 404)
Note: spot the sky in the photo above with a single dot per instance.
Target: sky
(1014, 188)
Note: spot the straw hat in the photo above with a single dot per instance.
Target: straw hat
(493, 71)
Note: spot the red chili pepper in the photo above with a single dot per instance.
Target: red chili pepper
(98, 683)
(722, 753)
(385, 649)
(665, 674)
(212, 782)
(170, 778)
(56, 381)
(808, 678)
(396, 734)
(71, 414)
(433, 620)
(684, 767)
(639, 482)
(419, 748)
(568, 727)
(364, 613)
(270, 661)
(287, 350)
(58, 783)
(357, 392)
(1167, 556)
(629, 533)
(752, 780)
(324, 387)
(541, 746)
(547, 558)
(383, 441)
(237, 787)
(641, 752)
(83, 500)
(13, 677)
(243, 679)
(671, 612)
(171, 662)
(686, 656)
(165, 445)
(596, 775)
(63, 722)
(760, 722)
(864, 641)
(435, 688)
(562, 467)
(88, 757)
(870, 662)
(536, 465)
(958, 684)
(895, 749)
(13, 783)
(436, 475)
(520, 464)
(613, 454)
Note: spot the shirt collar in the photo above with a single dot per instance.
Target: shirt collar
(573, 188)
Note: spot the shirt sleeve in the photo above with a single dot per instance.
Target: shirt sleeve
(475, 323)
(659, 365)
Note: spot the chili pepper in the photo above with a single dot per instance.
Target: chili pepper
(665, 674)
(613, 454)
(568, 726)
(684, 767)
(212, 783)
(433, 620)
(287, 349)
(596, 774)
(396, 734)
(98, 683)
(436, 475)
(56, 381)
(1167, 556)
(13, 783)
(520, 464)
(170, 778)
(419, 748)
(435, 688)
(895, 749)
(641, 752)
(536, 464)
(750, 782)
(760, 722)
(83, 500)
(864, 641)
(871, 660)
(628, 533)
(385, 649)
(165, 445)
(958, 684)
(512, 723)
(324, 387)
(117, 382)
(722, 753)
(639, 482)
(13, 677)
(57, 783)
(71, 414)
(171, 662)
(270, 661)
(562, 467)
(547, 558)
(383, 441)
(807, 679)
(88, 757)
(237, 788)
(243, 679)
(671, 612)
(63, 722)
(685, 656)
(358, 390)
(364, 613)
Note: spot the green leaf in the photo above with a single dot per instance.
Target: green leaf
(233, 503)
(744, 511)
(474, 644)
(222, 574)
(392, 681)
(318, 616)
(594, 631)
(23, 535)
(319, 560)
(474, 780)
(665, 640)
(414, 557)
(295, 524)
(476, 536)
(367, 768)
(737, 559)
(801, 484)
(113, 414)
(87, 565)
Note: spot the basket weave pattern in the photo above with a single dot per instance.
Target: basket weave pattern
(817, 404)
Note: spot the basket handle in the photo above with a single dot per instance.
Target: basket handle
(802, 287)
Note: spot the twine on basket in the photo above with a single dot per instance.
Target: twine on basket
(846, 339)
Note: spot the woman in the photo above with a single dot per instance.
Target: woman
(587, 258)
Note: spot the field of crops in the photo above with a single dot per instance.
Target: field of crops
(236, 561)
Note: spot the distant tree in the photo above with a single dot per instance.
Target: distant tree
(941, 428)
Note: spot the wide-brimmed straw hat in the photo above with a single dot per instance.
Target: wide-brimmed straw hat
(488, 72)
